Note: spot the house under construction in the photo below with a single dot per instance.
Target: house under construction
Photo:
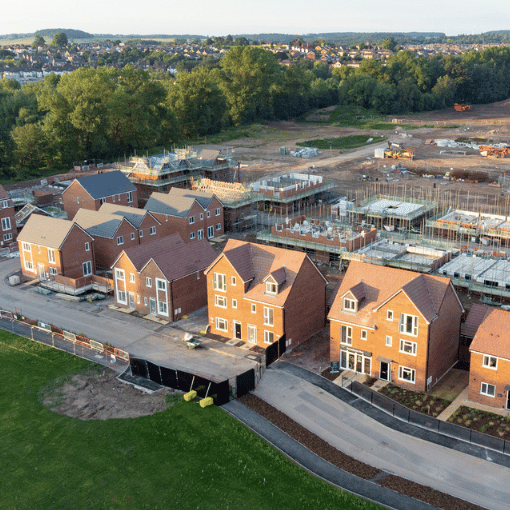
(175, 169)
(247, 206)
(470, 227)
(389, 213)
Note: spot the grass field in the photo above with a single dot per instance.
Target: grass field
(343, 142)
(185, 457)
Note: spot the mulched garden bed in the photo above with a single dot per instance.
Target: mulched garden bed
(347, 463)
(328, 375)
(416, 400)
(482, 421)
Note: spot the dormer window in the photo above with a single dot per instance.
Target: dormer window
(349, 305)
(271, 288)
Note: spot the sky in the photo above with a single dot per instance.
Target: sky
(223, 17)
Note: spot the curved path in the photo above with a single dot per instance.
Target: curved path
(464, 474)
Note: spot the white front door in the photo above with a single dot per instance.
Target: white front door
(252, 334)
(152, 302)
(132, 300)
(210, 232)
(42, 272)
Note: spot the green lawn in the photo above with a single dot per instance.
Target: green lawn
(185, 457)
(343, 142)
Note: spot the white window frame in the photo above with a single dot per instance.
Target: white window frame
(349, 305)
(253, 308)
(133, 236)
(129, 195)
(51, 255)
(233, 281)
(6, 223)
(87, 268)
(406, 370)
(119, 274)
(120, 240)
(251, 328)
(200, 233)
(5, 204)
(268, 337)
(162, 307)
(271, 288)
(363, 334)
(220, 301)
(218, 226)
(26, 246)
(161, 284)
(490, 362)
(53, 271)
(389, 341)
(201, 215)
(191, 220)
(148, 281)
(404, 317)
(140, 233)
(218, 211)
(87, 246)
(152, 230)
(389, 315)
(234, 303)
(131, 277)
(345, 335)
(29, 266)
(220, 282)
(407, 347)
(221, 324)
(7, 237)
(208, 214)
(192, 235)
(210, 232)
(484, 389)
(268, 318)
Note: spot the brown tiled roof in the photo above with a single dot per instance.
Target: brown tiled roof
(172, 255)
(358, 291)
(279, 276)
(45, 231)
(380, 284)
(3, 192)
(253, 262)
(475, 317)
(492, 335)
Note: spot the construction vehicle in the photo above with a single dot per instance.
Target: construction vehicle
(400, 153)
(461, 107)
(493, 152)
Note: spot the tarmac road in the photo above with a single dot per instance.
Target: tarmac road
(347, 429)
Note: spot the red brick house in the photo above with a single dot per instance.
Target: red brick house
(259, 293)
(193, 215)
(149, 228)
(91, 191)
(7, 218)
(489, 371)
(111, 233)
(395, 325)
(49, 247)
(164, 278)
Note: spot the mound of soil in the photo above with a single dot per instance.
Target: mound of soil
(99, 395)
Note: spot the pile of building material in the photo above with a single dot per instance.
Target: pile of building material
(225, 191)
(305, 152)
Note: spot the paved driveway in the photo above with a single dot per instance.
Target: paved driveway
(161, 344)
(347, 429)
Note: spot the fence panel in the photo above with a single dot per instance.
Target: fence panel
(451, 429)
(400, 412)
(488, 441)
(154, 373)
(361, 390)
(245, 382)
(169, 378)
(139, 367)
(383, 402)
(423, 420)
(185, 380)
(220, 392)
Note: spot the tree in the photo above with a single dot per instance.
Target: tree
(38, 41)
(198, 103)
(250, 76)
(60, 40)
(389, 43)
(445, 88)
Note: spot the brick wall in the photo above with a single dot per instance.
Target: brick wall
(479, 374)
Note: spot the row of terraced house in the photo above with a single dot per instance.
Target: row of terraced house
(399, 326)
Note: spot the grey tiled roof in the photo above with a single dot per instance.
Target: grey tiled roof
(134, 215)
(177, 202)
(98, 223)
(106, 184)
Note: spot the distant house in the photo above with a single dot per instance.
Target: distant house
(164, 278)
(194, 215)
(259, 293)
(91, 191)
(489, 371)
(395, 325)
(7, 218)
(49, 247)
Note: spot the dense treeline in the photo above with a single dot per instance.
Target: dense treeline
(105, 113)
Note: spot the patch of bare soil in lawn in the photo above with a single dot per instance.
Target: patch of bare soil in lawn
(98, 395)
(347, 463)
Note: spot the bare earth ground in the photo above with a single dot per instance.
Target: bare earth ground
(98, 395)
